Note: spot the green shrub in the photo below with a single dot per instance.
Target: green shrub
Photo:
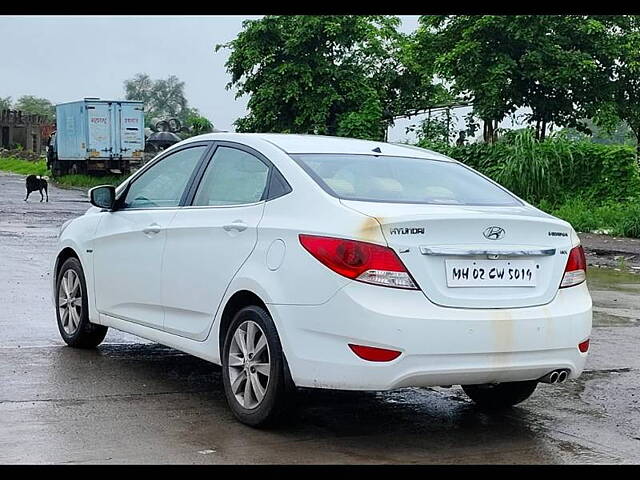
(554, 170)
(614, 218)
(629, 225)
(578, 213)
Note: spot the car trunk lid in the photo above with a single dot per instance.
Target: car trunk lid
(476, 256)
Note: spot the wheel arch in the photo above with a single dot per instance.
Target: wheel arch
(237, 301)
(62, 257)
(244, 298)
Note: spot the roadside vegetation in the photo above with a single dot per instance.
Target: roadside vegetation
(27, 167)
(611, 218)
(23, 167)
(593, 186)
(87, 181)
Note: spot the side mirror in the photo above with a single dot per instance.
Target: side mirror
(103, 196)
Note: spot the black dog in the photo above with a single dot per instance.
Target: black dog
(35, 182)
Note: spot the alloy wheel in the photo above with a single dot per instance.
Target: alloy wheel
(70, 301)
(249, 364)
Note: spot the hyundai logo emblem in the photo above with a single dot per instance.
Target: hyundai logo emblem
(493, 233)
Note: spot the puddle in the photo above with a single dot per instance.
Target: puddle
(605, 319)
(609, 279)
(616, 297)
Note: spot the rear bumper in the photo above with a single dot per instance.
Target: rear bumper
(439, 345)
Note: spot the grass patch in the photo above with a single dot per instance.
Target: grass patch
(24, 167)
(88, 181)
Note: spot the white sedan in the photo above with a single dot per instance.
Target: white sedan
(324, 262)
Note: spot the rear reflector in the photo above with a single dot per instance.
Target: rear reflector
(576, 270)
(584, 346)
(374, 354)
(363, 261)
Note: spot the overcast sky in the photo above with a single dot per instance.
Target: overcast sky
(64, 58)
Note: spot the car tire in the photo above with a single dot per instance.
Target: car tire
(72, 308)
(241, 366)
(501, 395)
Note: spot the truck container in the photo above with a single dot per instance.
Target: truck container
(95, 135)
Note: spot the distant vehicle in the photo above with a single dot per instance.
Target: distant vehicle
(97, 136)
(164, 135)
(323, 262)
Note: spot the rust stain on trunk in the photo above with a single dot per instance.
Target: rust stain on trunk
(370, 230)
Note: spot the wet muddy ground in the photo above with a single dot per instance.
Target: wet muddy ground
(132, 401)
(619, 253)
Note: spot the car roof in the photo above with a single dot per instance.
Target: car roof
(298, 143)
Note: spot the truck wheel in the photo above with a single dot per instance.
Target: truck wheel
(72, 308)
(253, 368)
(60, 168)
(501, 395)
(56, 168)
(78, 168)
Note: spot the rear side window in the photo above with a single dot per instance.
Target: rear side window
(233, 177)
(401, 180)
(163, 184)
(278, 186)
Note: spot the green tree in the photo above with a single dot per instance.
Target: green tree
(473, 54)
(552, 64)
(5, 103)
(35, 106)
(436, 130)
(616, 134)
(140, 88)
(163, 98)
(563, 68)
(197, 124)
(335, 75)
(622, 101)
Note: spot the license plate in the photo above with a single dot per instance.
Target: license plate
(491, 273)
(137, 154)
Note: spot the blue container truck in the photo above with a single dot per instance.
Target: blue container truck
(97, 136)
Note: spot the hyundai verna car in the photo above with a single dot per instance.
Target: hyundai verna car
(324, 262)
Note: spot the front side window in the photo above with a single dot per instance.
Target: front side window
(163, 184)
(233, 177)
(401, 180)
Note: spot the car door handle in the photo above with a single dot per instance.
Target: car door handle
(238, 225)
(152, 229)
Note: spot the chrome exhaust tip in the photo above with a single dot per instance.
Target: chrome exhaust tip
(557, 376)
(551, 377)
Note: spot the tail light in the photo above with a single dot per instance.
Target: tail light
(576, 270)
(374, 354)
(584, 346)
(361, 261)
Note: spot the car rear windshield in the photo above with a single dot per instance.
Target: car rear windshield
(401, 180)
